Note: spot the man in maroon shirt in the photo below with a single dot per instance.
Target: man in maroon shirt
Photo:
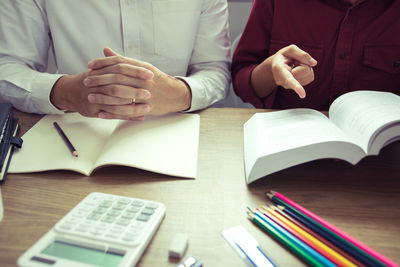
(318, 49)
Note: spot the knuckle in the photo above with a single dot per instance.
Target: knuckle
(113, 89)
(120, 59)
(292, 47)
(116, 78)
(119, 68)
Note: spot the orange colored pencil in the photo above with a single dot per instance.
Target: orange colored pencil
(319, 237)
(307, 238)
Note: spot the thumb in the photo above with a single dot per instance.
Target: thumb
(108, 52)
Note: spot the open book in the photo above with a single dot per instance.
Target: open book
(167, 145)
(360, 123)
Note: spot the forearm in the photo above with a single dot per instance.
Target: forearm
(28, 90)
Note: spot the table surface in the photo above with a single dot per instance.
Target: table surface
(362, 200)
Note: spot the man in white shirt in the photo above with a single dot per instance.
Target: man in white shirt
(116, 59)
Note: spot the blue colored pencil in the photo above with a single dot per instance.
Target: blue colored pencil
(332, 237)
(314, 254)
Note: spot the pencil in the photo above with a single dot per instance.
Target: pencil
(319, 237)
(66, 140)
(334, 238)
(275, 196)
(307, 238)
(304, 251)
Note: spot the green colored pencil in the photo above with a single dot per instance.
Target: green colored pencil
(285, 241)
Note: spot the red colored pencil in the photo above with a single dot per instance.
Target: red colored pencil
(329, 226)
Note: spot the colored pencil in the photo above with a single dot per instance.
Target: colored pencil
(326, 224)
(307, 238)
(319, 237)
(313, 257)
(334, 238)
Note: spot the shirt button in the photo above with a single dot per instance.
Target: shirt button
(131, 46)
(128, 2)
(342, 55)
(396, 64)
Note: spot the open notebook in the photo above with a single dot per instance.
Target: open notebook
(166, 144)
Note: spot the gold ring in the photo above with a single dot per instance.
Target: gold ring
(133, 100)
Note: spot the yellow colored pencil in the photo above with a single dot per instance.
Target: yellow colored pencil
(310, 240)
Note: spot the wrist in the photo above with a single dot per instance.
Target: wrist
(262, 78)
(186, 99)
(59, 93)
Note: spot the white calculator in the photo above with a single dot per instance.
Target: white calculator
(102, 230)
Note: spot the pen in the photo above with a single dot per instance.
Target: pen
(66, 140)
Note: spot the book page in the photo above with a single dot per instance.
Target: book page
(166, 144)
(277, 140)
(364, 114)
(44, 149)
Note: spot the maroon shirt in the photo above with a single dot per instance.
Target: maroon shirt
(357, 48)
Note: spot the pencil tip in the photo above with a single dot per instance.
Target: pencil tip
(75, 153)
(269, 195)
(251, 215)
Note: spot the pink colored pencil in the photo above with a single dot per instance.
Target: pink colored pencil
(334, 229)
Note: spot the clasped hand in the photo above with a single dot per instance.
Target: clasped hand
(117, 87)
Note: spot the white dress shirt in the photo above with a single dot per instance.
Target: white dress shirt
(183, 38)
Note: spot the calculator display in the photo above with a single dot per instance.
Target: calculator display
(83, 254)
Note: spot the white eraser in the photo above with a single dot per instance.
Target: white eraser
(178, 245)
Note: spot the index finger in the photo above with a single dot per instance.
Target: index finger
(294, 52)
(286, 79)
(99, 63)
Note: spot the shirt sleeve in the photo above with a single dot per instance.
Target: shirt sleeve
(252, 49)
(25, 41)
(208, 72)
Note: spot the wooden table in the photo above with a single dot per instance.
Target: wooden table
(362, 200)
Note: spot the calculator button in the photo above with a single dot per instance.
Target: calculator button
(72, 220)
(137, 203)
(100, 228)
(81, 229)
(129, 238)
(143, 217)
(114, 213)
(117, 228)
(128, 215)
(79, 214)
(65, 227)
(96, 233)
(133, 209)
(147, 211)
(152, 205)
(123, 222)
(93, 217)
(112, 236)
(106, 204)
(119, 206)
(108, 219)
(84, 209)
(100, 210)
(124, 201)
